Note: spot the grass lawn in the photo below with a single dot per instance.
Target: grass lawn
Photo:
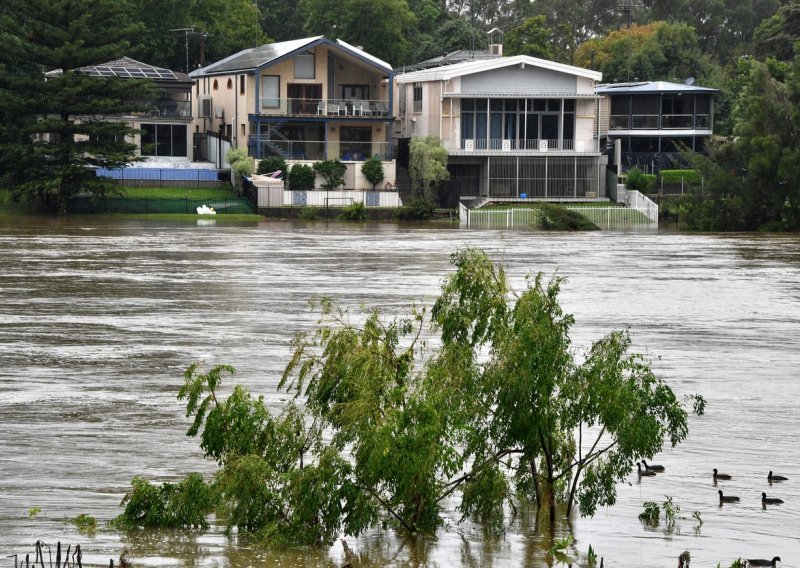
(173, 192)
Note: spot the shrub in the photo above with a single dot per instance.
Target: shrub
(271, 164)
(373, 171)
(301, 178)
(639, 181)
(309, 213)
(241, 165)
(416, 209)
(332, 171)
(675, 176)
(354, 212)
(427, 166)
(555, 218)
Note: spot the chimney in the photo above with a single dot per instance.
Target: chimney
(496, 42)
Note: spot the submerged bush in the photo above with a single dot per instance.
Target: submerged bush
(555, 218)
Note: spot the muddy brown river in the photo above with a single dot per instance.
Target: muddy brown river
(98, 320)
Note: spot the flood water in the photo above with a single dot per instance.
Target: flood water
(99, 320)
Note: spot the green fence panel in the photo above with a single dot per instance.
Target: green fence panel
(154, 205)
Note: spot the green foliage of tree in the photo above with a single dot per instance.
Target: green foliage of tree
(453, 34)
(656, 51)
(64, 128)
(753, 181)
(498, 410)
(171, 505)
(532, 37)
(242, 165)
(373, 171)
(777, 35)
(416, 208)
(353, 212)
(220, 28)
(273, 164)
(281, 20)
(332, 173)
(427, 166)
(556, 218)
(639, 181)
(301, 178)
(380, 27)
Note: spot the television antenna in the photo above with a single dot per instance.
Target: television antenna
(190, 31)
(629, 6)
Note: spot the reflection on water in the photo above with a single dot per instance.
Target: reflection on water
(98, 321)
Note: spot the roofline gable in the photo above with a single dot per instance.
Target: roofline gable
(447, 72)
(304, 46)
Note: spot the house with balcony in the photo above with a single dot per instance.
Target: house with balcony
(165, 125)
(306, 100)
(514, 127)
(654, 120)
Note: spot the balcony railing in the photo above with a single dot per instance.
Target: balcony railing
(317, 150)
(325, 107)
(527, 145)
(170, 109)
(651, 122)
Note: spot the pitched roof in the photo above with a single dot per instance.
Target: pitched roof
(447, 72)
(255, 57)
(458, 56)
(651, 87)
(126, 67)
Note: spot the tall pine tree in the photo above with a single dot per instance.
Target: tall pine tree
(62, 122)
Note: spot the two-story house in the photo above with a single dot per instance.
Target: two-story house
(306, 100)
(514, 127)
(165, 125)
(654, 120)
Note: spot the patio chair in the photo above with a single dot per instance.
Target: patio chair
(321, 108)
(380, 109)
(358, 107)
(342, 108)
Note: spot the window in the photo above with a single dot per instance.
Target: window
(241, 84)
(163, 140)
(271, 90)
(216, 85)
(357, 92)
(230, 84)
(417, 97)
(304, 66)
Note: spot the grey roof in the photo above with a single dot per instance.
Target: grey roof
(126, 67)
(255, 57)
(650, 87)
(458, 56)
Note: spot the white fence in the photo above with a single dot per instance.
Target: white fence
(603, 217)
(639, 202)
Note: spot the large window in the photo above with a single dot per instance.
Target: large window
(304, 66)
(270, 91)
(163, 140)
(517, 123)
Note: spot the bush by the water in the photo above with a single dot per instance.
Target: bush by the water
(555, 218)
(301, 178)
(353, 212)
(272, 164)
(417, 208)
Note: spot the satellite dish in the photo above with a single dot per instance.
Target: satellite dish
(689, 81)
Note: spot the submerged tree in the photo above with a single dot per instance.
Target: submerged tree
(499, 412)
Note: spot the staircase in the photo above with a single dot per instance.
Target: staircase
(403, 183)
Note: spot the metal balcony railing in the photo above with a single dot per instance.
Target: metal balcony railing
(318, 150)
(325, 107)
(525, 145)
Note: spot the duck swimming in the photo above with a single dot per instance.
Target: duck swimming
(720, 475)
(763, 561)
(644, 472)
(771, 477)
(652, 467)
(727, 498)
(770, 500)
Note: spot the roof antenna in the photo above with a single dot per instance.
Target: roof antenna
(629, 5)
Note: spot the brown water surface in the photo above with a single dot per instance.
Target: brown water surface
(99, 320)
